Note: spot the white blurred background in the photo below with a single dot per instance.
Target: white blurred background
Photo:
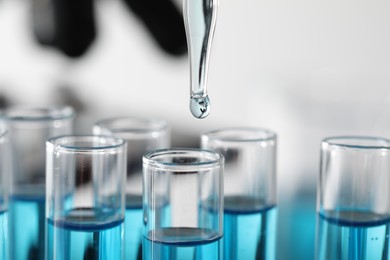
(305, 69)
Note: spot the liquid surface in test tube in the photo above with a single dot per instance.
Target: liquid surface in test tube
(85, 233)
(358, 235)
(200, 20)
(249, 229)
(182, 243)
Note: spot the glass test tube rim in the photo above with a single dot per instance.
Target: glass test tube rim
(133, 126)
(93, 140)
(258, 134)
(149, 161)
(352, 142)
(37, 113)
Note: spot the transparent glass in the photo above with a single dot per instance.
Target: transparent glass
(353, 199)
(200, 18)
(29, 128)
(4, 173)
(141, 135)
(183, 202)
(250, 190)
(85, 197)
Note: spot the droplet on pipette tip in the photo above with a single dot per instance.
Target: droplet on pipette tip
(200, 106)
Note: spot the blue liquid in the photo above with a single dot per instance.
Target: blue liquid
(296, 219)
(249, 229)
(133, 227)
(3, 235)
(27, 226)
(182, 243)
(353, 235)
(85, 233)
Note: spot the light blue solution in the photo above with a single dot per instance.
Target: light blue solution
(296, 218)
(249, 229)
(4, 235)
(133, 227)
(353, 235)
(27, 226)
(182, 243)
(85, 233)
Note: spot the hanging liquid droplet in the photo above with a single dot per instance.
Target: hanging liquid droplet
(200, 106)
(199, 19)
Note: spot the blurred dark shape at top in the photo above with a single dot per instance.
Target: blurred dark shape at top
(4, 102)
(70, 27)
(164, 21)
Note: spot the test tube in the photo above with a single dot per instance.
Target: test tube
(4, 173)
(353, 199)
(142, 135)
(85, 197)
(183, 202)
(29, 128)
(250, 210)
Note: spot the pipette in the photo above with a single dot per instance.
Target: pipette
(199, 19)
